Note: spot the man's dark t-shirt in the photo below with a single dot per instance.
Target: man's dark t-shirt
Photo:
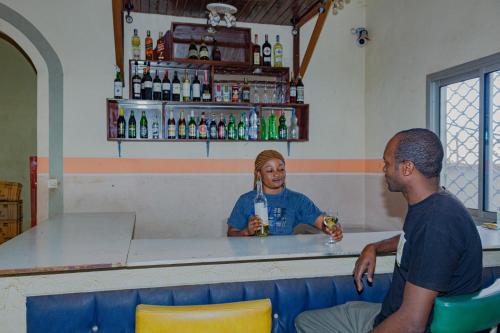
(439, 249)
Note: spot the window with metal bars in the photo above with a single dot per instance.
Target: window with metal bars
(463, 107)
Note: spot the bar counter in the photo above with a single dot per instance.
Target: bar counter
(95, 252)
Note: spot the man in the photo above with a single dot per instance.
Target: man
(438, 253)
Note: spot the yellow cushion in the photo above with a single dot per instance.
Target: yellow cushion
(248, 317)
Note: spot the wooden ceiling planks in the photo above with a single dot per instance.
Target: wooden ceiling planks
(256, 11)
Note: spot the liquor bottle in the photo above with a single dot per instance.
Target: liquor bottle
(132, 126)
(193, 50)
(218, 93)
(157, 87)
(266, 52)
(293, 90)
(204, 51)
(242, 128)
(148, 45)
(148, 84)
(282, 130)
(136, 46)
(192, 126)
(272, 127)
(121, 124)
(221, 128)
(256, 51)
(181, 130)
(136, 83)
(300, 90)
(293, 131)
(260, 210)
(165, 87)
(186, 88)
(216, 54)
(264, 135)
(171, 126)
(196, 88)
(144, 72)
(155, 128)
(160, 47)
(254, 126)
(207, 93)
(118, 85)
(202, 127)
(213, 128)
(235, 93)
(231, 128)
(278, 53)
(143, 126)
(245, 91)
(176, 88)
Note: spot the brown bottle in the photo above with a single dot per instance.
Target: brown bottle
(216, 55)
(148, 43)
(293, 90)
(256, 52)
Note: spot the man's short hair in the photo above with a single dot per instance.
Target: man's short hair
(423, 148)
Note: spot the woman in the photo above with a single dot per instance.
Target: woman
(286, 208)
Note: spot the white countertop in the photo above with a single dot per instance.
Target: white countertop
(78, 241)
(91, 241)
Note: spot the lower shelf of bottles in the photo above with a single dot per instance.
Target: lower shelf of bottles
(152, 121)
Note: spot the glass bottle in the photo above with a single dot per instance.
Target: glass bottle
(132, 126)
(181, 129)
(254, 126)
(245, 91)
(176, 88)
(264, 135)
(202, 127)
(300, 90)
(143, 126)
(221, 128)
(256, 51)
(293, 90)
(278, 53)
(213, 127)
(218, 93)
(193, 50)
(282, 129)
(186, 87)
(207, 92)
(293, 131)
(136, 83)
(166, 87)
(204, 51)
(171, 126)
(155, 128)
(260, 209)
(160, 47)
(148, 45)
(266, 52)
(242, 128)
(147, 84)
(136, 46)
(196, 88)
(192, 126)
(231, 128)
(272, 127)
(216, 54)
(121, 124)
(118, 86)
(157, 87)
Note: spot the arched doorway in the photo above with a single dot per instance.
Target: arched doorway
(49, 97)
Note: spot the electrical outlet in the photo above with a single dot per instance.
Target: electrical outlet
(53, 183)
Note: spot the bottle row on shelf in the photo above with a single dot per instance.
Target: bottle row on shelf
(191, 89)
(271, 125)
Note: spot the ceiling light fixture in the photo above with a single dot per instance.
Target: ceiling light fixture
(217, 9)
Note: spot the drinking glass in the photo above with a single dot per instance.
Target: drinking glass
(331, 222)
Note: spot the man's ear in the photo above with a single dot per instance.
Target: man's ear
(407, 168)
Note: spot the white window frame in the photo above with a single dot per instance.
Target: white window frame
(474, 69)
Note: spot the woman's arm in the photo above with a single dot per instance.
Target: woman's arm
(254, 224)
(337, 233)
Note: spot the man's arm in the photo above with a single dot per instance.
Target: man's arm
(413, 314)
(368, 258)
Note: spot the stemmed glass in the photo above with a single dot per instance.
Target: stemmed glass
(331, 222)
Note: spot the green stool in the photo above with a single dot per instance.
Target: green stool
(468, 313)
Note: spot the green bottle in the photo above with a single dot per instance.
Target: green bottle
(132, 126)
(242, 128)
(144, 126)
(120, 124)
(192, 126)
(282, 130)
(231, 128)
(271, 123)
(263, 129)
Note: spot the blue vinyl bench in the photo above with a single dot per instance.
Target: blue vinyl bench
(114, 311)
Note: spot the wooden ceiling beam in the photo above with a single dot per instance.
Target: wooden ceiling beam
(314, 37)
(310, 13)
(117, 6)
